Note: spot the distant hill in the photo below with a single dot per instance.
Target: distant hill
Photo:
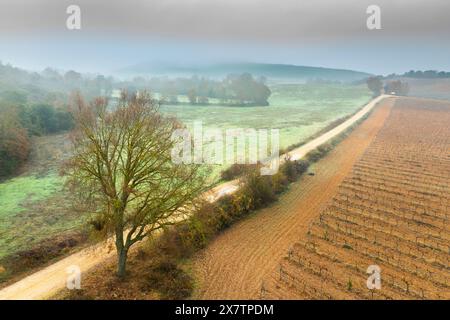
(271, 71)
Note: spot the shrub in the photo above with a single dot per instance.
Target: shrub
(349, 285)
(41, 253)
(171, 243)
(235, 171)
(227, 205)
(14, 141)
(46, 119)
(294, 169)
(279, 182)
(195, 234)
(319, 152)
(182, 240)
(64, 120)
(259, 189)
(222, 220)
(77, 295)
(170, 281)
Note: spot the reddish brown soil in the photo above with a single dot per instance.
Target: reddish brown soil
(392, 211)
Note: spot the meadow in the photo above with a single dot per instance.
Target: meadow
(34, 206)
(297, 110)
(16, 195)
(390, 213)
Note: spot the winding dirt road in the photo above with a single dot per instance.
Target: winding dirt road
(48, 281)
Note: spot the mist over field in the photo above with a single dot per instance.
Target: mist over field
(116, 35)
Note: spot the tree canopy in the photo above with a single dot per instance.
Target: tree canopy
(375, 85)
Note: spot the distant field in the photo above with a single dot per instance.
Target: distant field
(297, 110)
(429, 88)
(34, 207)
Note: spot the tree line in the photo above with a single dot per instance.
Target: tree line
(35, 103)
(427, 74)
(396, 87)
(51, 84)
(235, 89)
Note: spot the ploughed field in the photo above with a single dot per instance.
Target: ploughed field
(236, 264)
(392, 210)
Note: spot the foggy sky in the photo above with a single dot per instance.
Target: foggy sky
(415, 33)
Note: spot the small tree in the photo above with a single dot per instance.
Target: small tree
(192, 95)
(375, 85)
(397, 87)
(122, 168)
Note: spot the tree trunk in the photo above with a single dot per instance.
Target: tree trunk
(122, 256)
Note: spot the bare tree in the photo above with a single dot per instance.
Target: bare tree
(122, 168)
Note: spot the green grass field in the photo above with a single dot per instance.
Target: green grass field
(298, 111)
(34, 207)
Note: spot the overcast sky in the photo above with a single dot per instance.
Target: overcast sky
(415, 33)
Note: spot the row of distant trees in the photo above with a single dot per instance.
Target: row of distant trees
(397, 87)
(428, 74)
(38, 85)
(242, 89)
(395, 83)
(236, 89)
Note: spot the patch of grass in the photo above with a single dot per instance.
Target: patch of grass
(14, 192)
(32, 210)
(298, 110)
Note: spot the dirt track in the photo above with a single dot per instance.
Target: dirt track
(235, 264)
(45, 283)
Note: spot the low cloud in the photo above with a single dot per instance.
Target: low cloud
(243, 20)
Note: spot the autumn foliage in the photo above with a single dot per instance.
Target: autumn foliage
(14, 142)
